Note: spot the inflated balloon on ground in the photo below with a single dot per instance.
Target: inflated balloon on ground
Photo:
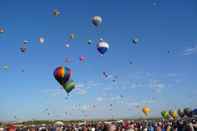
(165, 114)
(180, 113)
(146, 110)
(188, 112)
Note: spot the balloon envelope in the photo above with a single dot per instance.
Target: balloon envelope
(23, 49)
(194, 112)
(71, 36)
(41, 40)
(102, 47)
(2, 30)
(188, 112)
(180, 113)
(62, 74)
(146, 110)
(56, 12)
(82, 58)
(96, 20)
(67, 45)
(135, 40)
(174, 114)
(89, 42)
(165, 114)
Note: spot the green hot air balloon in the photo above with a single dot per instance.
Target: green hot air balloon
(69, 86)
(165, 114)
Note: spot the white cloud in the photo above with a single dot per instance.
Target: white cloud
(190, 51)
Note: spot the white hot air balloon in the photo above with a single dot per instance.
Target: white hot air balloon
(41, 40)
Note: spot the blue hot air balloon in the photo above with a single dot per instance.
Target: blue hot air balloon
(102, 46)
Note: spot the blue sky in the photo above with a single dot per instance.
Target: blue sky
(156, 79)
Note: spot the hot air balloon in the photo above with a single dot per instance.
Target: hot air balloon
(135, 40)
(102, 46)
(71, 36)
(67, 45)
(105, 74)
(165, 114)
(56, 12)
(174, 114)
(89, 42)
(180, 113)
(2, 30)
(41, 40)
(23, 49)
(146, 110)
(188, 112)
(62, 74)
(82, 58)
(25, 42)
(194, 112)
(96, 20)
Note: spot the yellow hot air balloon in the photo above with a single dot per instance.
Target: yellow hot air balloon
(146, 110)
(174, 114)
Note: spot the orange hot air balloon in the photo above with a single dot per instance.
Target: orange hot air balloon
(146, 110)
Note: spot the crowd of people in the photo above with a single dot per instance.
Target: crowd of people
(140, 125)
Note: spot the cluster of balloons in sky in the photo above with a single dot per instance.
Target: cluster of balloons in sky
(63, 74)
(102, 47)
(186, 112)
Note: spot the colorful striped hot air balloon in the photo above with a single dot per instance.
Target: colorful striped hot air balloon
(63, 75)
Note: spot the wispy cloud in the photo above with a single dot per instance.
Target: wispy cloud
(54, 92)
(190, 51)
(157, 85)
(81, 91)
